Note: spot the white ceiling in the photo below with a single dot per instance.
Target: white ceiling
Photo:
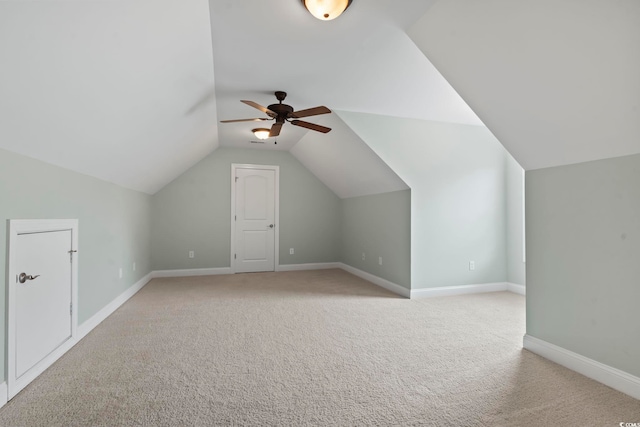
(344, 162)
(105, 87)
(363, 61)
(557, 82)
(131, 91)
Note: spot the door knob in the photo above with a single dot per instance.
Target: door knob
(23, 277)
(271, 225)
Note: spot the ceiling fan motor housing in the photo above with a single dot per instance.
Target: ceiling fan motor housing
(282, 110)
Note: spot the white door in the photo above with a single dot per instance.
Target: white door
(255, 226)
(41, 319)
(43, 304)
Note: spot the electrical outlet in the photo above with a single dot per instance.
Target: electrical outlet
(363, 256)
(472, 265)
(380, 260)
(120, 273)
(134, 266)
(192, 254)
(291, 251)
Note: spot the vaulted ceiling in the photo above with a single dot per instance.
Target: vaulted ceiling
(363, 61)
(132, 91)
(557, 82)
(105, 88)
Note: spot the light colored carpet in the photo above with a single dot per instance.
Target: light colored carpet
(310, 348)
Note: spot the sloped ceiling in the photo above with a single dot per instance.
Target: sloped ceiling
(344, 162)
(557, 82)
(362, 61)
(125, 90)
(106, 88)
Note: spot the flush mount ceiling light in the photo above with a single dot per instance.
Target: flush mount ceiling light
(326, 10)
(261, 133)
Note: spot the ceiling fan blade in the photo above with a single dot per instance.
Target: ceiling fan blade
(259, 107)
(315, 111)
(311, 126)
(245, 120)
(275, 129)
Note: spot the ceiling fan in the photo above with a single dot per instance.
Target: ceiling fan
(282, 113)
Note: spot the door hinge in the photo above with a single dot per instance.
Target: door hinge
(71, 252)
(235, 217)
(71, 308)
(236, 179)
(235, 256)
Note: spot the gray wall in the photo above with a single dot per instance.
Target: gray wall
(515, 223)
(380, 226)
(193, 213)
(114, 229)
(583, 259)
(458, 204)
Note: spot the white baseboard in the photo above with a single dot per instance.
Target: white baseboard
(393, 287)
(4, 394)
(612, 377)
(35, 371)
(446, 291)
(88, 325)
(517, 289)
(81, 332)
(623, 381)
(192, 272)
(383, 283)
(313, 266)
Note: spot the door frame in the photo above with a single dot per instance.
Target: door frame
(234, 168)
(16, 227)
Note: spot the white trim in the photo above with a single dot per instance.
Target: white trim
(15, 228)
(18, 384)
(426, 292)
(89, 324)
(86, 327)
(614, 378)
(383, 283)
(192, 272)
(232, 218)
(313, 266)
(605, 374)
(4, 395)
(446, 291)
(516, 289)
(276, 169)
(524, 224)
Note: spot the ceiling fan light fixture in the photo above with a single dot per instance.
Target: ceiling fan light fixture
(326, 10)
(261, 133)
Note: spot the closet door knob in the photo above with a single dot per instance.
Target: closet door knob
(23, 277)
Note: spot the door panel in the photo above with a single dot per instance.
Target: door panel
(256, 189)
(43, 315)
(255, 220)
(256, 246)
